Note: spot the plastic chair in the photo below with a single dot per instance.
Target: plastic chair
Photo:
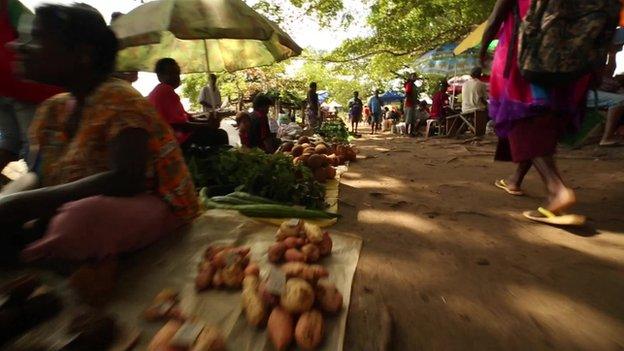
(432, 124)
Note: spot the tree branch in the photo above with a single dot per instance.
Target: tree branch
(368, 54)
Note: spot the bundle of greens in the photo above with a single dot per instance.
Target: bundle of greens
(274, 177)
(334, 131)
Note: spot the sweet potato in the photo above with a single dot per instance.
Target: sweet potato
(255, 309)
(294, 242)
(294, 255)
(313, 233)
(276, 252)
(160, 341)
(213, 250)
(298, 296)
(233, 276)
(210, 339)
(252, 269)
(311, 253)
(166, 295)
(250, 282)
(280, 328)
(289, 228)
(311, 273)
(325, 246)
(217, 279)
(328, 297)
(269, 299)
(204, 279)
(309, 330)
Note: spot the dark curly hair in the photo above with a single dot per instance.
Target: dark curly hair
(82, 26)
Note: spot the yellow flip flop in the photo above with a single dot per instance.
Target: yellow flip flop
(543, 215)
(502, 184)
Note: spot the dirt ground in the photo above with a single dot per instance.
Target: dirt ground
(457, 265)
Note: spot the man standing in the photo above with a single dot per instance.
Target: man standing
(475, 99)
(210, 96)
(375, 107)
(313, 106)
(410, 105)
(355, 111)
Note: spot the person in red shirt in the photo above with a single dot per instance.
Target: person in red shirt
(260, 135)
(169, 106)
(243, 123)
(440, 102)
(18, 98)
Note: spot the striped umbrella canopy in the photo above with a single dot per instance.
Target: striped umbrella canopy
(201, 35)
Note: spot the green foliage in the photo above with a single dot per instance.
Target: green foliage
(271, 176)
(334, 131)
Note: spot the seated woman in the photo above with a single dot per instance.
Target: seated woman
(168, 105)
(111, 175)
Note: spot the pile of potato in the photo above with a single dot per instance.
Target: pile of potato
(320, 157)
(224, 267)
(298, 241)
(297, 313)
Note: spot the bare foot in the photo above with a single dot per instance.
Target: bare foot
(562, 201)
(512, 185)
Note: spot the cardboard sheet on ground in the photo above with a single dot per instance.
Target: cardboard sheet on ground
(173, 264)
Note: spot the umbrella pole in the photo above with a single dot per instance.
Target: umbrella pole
(208, 72)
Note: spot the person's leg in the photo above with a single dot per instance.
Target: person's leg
(514, 181)
(101, 226)
(560, 197)
(613, 117)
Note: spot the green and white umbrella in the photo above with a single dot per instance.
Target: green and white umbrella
(201, 35)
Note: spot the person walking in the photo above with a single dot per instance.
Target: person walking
(355, 111)
(531, 109)
(313, 106)
(411, 100)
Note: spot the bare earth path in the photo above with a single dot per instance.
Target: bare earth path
(460, 269)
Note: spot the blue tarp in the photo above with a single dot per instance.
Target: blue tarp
(392, 96)
(322, 96)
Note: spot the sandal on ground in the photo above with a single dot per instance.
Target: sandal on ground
(543, 215)
(502, 184)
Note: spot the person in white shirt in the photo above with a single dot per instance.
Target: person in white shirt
(474, 93)
(210, 96)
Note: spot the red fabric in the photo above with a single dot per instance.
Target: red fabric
(170, 108)
(245, 140)
(535, 137)
(409, 89)
(440, 101)
(10, 85)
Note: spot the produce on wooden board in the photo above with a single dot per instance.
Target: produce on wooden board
(274, 177)
(224, 267)
(299, 241)
(192, 335)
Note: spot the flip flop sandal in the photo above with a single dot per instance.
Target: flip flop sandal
(502, 184)
(543, 215)
(611, 144)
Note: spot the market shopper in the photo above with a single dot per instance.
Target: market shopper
(18, 98)
(111, 177)
(260, 135)
(210, 95)
(410, 104)
(312, 111)
(355, 111)
(529, 117)
(169, 106)
(376, 111)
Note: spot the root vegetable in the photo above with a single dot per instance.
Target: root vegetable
(166, 295)
(268, 298)
(294, 255)
(255, 310)
(325, 246)
(287, 146)
(296, 151)
(276, 252)
(298, 296)
(311, 253)
(252, 269)
(313, 233)
(203, 280)
(289, 228)
(250, 282)
(311, 273)
(315, 161)
(233, 276)
(293, 242)
(210, 339)
(328, 297)
(303, 140)
(213, 250)
(331, 172)
(309, 330)
(321, 149)
(320, 175)
(217, 279)
(160, 341)
(280, 328)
